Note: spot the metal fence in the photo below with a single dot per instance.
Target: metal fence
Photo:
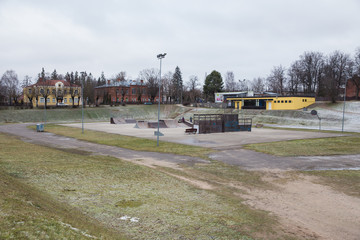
(213, 123)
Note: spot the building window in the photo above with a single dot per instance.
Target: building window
(65, 100)
(282, 101)
(133, 91)
(42, 100)
(285, 101)
(53, 100)
(290, 101)
(48, 100)
(76, 92)
(70, 100)
(42, 91)
(53, 91)
(29, 90)
(65, 92)
(305, 100)
(278, 101)
(76, 100)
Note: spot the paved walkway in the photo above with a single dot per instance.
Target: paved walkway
(240, 157)
(56, 141)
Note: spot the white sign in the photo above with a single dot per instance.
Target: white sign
(219, 98)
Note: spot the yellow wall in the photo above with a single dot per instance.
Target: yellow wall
(52, 98)
(283, 103)
(278, 103)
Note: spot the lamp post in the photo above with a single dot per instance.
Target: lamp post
(160, 57)
(82, 101)
(343, 118)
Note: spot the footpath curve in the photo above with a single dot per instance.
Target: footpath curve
(61, 142)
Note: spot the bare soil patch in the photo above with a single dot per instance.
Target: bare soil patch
(306, 208)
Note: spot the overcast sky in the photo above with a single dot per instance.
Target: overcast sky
(247, 37)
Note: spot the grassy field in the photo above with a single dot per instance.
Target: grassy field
(127, 199)
(310, 147)
(129, 142)
(92, 114)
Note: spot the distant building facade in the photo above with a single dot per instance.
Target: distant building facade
(353, 88)
(123, 91)
(54, 92)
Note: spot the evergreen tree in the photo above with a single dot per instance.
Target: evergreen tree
(178, 85)
(213, 84)
(54, 75)
(68, 77)
(102, 78)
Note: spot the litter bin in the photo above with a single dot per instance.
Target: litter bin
(39, 127)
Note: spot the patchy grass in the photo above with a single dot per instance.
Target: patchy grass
(140, 202)
(310, 147)
(27, 213)
(346, 181)
(134, 143)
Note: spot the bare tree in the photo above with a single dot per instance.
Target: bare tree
(356, 73)
(167, 86)
(277, 79)
(192, 85)
(258, 84)
(151, 78)
(230, 84)
(337, 71)
(312, 67)
(242, 85)
(295, 74)
(10, 83)
(121, 76)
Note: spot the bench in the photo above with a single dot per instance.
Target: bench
(191, 130)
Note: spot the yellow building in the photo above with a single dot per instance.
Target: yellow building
(272, 102)
(56, 93)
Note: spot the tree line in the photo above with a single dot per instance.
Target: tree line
(172, 85)
(312, 73)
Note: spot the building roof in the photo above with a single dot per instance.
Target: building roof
(125, 83)
(52, 83)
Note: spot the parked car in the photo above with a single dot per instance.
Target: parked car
(60, 104)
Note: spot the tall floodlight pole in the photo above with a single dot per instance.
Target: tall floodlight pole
(82, 102)
(343, 118)
(160, 57)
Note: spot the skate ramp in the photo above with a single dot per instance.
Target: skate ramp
(114, 120)
(117, 120)
(141, 124)
(155, 124)
(171, 123)
(152, 124)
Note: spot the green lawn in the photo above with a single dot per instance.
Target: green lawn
(134, 143)
(128, 199)
(310, 147)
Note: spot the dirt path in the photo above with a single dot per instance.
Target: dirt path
(309, 209)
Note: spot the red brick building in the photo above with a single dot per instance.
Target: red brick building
(353, 88)
(121, 91)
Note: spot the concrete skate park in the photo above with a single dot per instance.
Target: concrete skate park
(176, 133)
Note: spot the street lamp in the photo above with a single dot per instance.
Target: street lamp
(82, 101)
(343, 118)
(160, 57)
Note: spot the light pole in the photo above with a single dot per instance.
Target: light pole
(160, 57)
(82, 101)
(343, 118)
